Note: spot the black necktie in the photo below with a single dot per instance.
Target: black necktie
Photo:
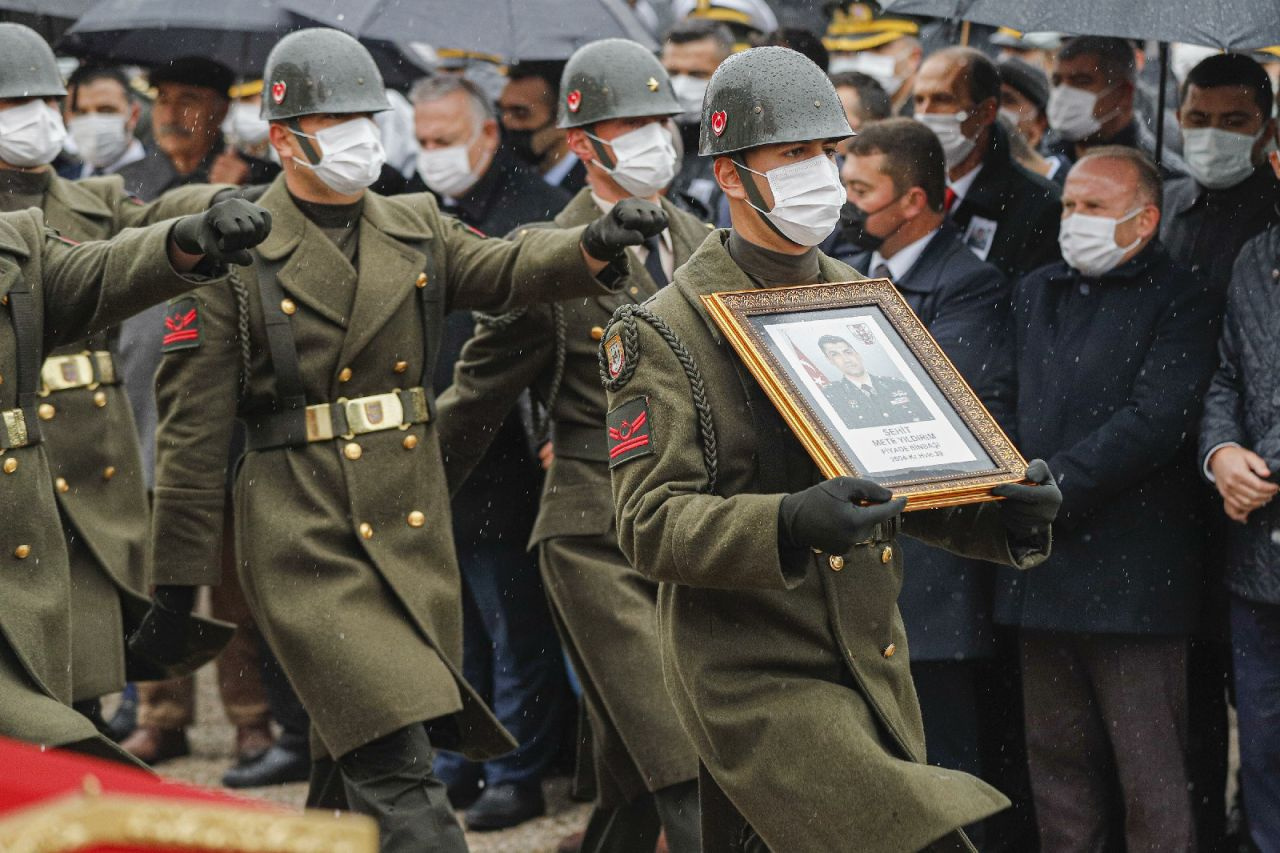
(653, 262)
(881, 271)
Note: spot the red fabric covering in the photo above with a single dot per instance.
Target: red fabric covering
(30, 775)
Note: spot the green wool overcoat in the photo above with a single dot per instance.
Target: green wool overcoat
(344, 546)
(605, 610)
(792, 676)
(77, 291)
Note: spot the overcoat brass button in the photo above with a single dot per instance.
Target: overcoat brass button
(10, 465)
(22, 552)
(417, 519)
(100, 399)
(889, 650)
(401, 366)
(108, 472)
(288, 306)
(46, 411)
(422, 280)
(633, 290)
(366, 530)
(410, 442)
(836, 562)
(887, 554)
(352, 451)
(596, 333)
(61, 485)
(344, 375)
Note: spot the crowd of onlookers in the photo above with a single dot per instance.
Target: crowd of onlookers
(1105, 275)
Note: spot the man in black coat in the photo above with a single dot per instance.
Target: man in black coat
(1240, 450)
(1007, 214)
(510, 650)
(1113, 348)
(894, 177)
(1229, 195)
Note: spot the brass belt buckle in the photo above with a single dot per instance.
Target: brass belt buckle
(319, 422)
(106, 367)
(374, 413)
(15, 427)
(64, 372)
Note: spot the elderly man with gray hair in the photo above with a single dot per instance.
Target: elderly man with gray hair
(511, 653)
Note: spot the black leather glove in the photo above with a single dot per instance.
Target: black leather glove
(826, 516)
(157, 638)
(630, 223)
(1030, 510)
(225, 232)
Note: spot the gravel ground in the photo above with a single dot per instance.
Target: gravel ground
(212, 750)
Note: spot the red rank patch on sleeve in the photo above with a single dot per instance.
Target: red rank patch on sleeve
(182, 324)
(630, 431)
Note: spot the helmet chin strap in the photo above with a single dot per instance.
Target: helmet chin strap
(754, 198)
(606, 162)
(304, 141)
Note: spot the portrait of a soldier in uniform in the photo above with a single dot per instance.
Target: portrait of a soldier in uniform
(863, 399)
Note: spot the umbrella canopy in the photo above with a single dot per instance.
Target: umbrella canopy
(237, 33)
(513, 30)
(1227, 24)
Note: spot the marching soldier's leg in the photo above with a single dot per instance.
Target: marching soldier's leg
(392, 780)
(678, 808)
(626, 829)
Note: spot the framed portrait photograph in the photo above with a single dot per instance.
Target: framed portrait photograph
(868, 391)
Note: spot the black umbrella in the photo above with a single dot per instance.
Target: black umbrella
(1228, 24)
(50, 18)
(237, 33)
(512, 30)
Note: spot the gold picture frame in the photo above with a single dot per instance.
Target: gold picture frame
(908, 420)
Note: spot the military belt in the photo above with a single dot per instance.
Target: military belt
(13, 430)
(343, 418)
(82, 370)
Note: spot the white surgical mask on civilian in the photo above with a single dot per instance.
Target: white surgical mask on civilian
(243, 124)
(645, 159)
(689, 92)
(351, 155)
(1218, 158)
(1070, 112)
(1088, 243)
(876, 66)
(946, 126)
(807, 197)
(30, 134)
(101, 138)
(447, 171)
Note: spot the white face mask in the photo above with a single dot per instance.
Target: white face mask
(101, 138)
(31, 134)
(1218, 158)
(1088, 243)
(447, 171)
(1070, 112)
(876, 66)
(807, 197)
(645, 159)
(946, 126)
(244, 126)
(351, 155)
(689, 92)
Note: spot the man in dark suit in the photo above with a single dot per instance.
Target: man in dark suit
(1114, 348)
(1007, 214)
(510, 650)
(894, 176)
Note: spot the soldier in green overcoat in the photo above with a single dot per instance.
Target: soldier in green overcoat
(324, 349)
(89, 434)
(782, 645)
(53, 292)
(617, 98)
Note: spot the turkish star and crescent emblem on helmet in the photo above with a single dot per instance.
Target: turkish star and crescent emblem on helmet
(718, 121)
(277, 92)
(574, 100)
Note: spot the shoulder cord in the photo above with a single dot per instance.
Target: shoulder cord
(497, 322)
(626, 315)
(542, 426)
(241, 293)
